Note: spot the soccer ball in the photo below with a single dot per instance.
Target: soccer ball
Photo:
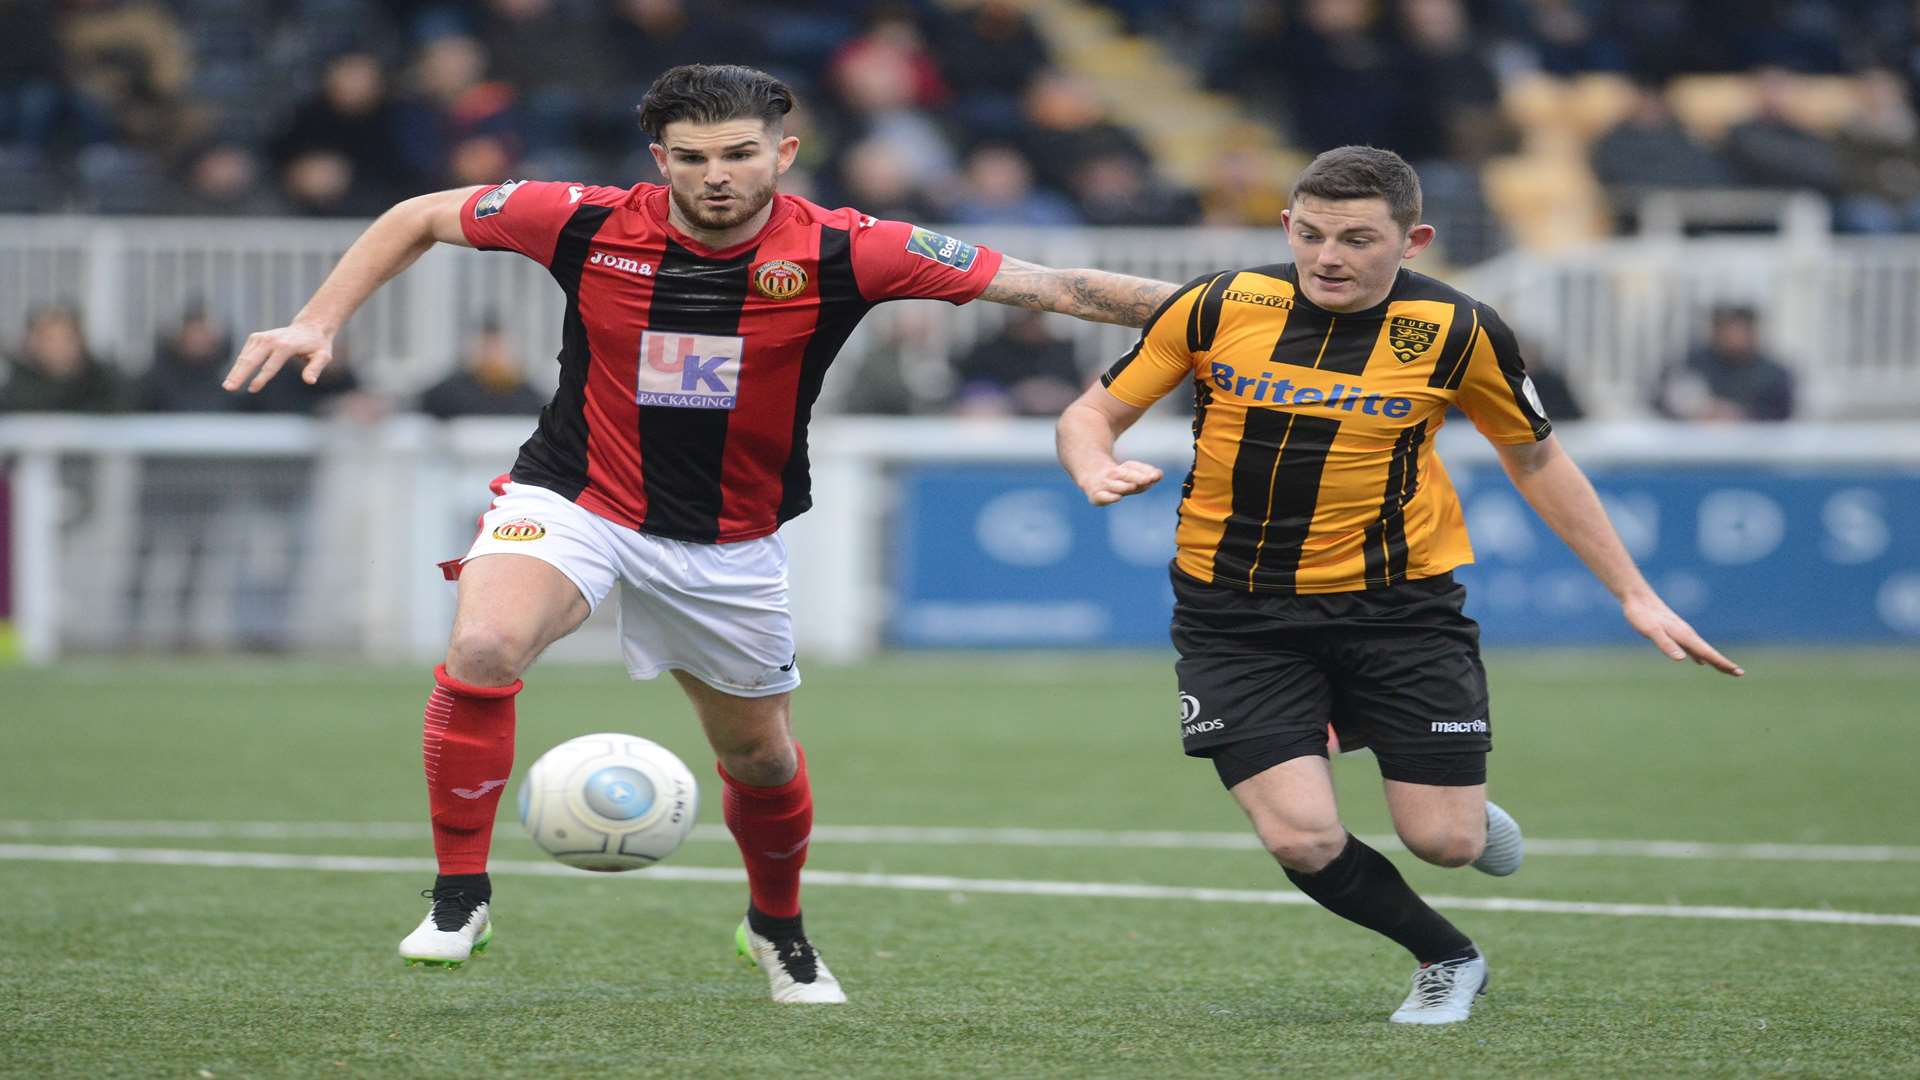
(609, 802)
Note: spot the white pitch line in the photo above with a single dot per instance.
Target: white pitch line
(253, 860)
(984, 837)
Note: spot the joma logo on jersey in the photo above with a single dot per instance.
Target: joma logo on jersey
(689, 371)
(620, 262)
(1266, 388)
(1458, 727)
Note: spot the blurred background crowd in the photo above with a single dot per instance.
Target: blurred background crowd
(1534, 123)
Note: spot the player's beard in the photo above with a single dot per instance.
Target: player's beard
(746, 203)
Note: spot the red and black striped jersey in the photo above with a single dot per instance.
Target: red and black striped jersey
(688, 374)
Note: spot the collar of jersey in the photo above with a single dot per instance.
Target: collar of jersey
(1377, 311)
(653, 203)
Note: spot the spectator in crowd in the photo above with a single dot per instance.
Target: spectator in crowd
(646, 37)
(54, 372)
(1344, 83)
(454, 101)
(1728, 377)
(1453, 96)
(225, 178)
(988, 55)
(186, 369)
(1772, 150)
(1879, 152)
(886, 81)
(1066, 126)
(131, 60)
(1242, 188)
(352, 123)
(1024, 370)
(878, 177)
(1118, 188)
(1649, 150)
(1564, 38)
(490, 381)
(998, 189)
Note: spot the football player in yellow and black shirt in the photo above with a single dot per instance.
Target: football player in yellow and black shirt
(1317, 535)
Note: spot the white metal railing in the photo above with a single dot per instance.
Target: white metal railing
(322, 535)
(1841, 311)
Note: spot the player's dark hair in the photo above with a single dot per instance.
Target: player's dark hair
(1364, 172)
(713, 94)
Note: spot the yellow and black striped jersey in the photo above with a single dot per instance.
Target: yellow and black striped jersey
(1313, 466)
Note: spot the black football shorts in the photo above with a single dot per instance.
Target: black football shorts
(1395, 669)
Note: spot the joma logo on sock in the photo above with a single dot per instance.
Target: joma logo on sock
(1457, 726)
(474, 793)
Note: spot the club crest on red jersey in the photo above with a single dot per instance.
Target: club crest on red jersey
(779, 279)
(520, 529)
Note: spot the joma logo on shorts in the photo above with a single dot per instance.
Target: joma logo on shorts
(1458, 726)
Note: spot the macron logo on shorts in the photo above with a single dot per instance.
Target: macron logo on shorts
(1451, 727)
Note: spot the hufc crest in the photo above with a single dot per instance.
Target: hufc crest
(1411, 338)
(780, 279)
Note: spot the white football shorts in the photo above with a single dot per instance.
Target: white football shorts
(715, 611)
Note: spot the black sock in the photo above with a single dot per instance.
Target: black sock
(1360, 885)
(479, 885)
(771, 928)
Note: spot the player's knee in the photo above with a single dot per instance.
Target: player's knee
(1456, 847)
(486, 655)
(762, 763)
(1307, 852)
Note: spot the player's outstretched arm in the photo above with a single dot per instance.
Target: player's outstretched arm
(1564, 498)
(1084, 439)
(389, 245)
(1094, 295)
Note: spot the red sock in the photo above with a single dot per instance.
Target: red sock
(771, 825)
(467, 745)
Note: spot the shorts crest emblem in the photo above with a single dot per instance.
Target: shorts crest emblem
(519, 529)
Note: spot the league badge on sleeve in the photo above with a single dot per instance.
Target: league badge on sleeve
(493, 201)
(942, 249)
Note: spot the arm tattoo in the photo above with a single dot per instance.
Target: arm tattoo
(1094, 295)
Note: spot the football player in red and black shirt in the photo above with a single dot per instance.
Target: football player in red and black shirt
(701, 318)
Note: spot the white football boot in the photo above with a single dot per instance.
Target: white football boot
(1505, 848)
(793, 967)
(1443, 993)
(455, 930)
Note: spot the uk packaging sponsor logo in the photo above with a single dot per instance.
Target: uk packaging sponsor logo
(1459, 727)
(689, 371)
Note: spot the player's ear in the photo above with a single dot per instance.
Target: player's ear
(785, 150)
(659, 157)
(1418, 238)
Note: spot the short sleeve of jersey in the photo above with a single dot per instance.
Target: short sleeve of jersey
(1163, 357)
(521, 215)
(1496, 393)
(894, 260)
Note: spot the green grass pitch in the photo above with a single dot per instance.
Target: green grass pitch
(139, 970)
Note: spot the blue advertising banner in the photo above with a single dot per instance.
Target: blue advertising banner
(1013, 556)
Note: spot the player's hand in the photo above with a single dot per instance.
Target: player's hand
(1651, 616)
(266, 352)
(1119, 480)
